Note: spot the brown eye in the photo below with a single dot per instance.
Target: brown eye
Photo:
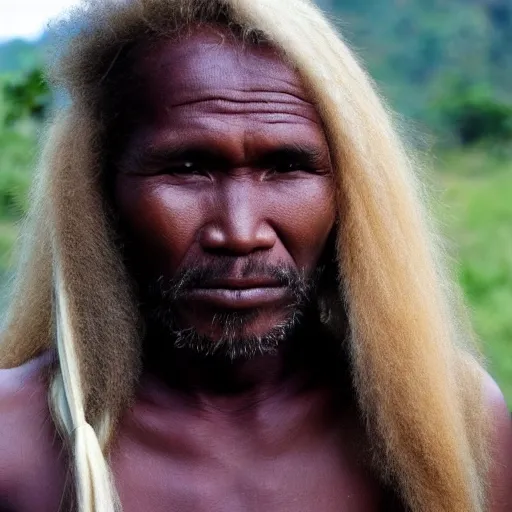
(187, 167)
(287, 167)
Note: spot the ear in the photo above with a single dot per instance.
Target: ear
(331, 300)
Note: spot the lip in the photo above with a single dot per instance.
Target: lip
(239, 297)
(233, 283)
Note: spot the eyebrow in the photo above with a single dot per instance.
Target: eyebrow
(309, 155)
(156, 157)
(151, 157)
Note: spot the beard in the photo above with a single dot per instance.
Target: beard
(162, 303)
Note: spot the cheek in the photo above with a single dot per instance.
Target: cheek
(306, 217)
(163, 224)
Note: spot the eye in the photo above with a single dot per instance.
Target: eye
(184, 167)
(288, 167)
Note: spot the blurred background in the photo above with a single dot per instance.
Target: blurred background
(446, 68)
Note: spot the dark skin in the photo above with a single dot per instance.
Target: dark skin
(227, 158)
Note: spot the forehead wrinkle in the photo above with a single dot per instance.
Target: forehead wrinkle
(211, 84)
(229, 66)
(202, 80)
(268, 112)
(203, 112)
(208, 133)
(245, 100)
(255, 97)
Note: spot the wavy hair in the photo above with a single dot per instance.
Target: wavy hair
(416, 372)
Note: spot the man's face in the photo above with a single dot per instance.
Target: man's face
(224, 187)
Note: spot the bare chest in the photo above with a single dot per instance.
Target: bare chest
(298, 489)
(181, 462)
(319, 479)
(316, 478)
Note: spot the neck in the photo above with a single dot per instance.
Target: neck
(306, 361)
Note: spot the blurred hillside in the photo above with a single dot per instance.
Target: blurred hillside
(421, 52)
(19, 55)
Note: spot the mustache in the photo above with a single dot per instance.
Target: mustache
(201, 274)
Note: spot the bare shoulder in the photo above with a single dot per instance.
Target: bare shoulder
(23, 409)
(500, 491)
(14, 380)
(28, 444)
(22, 397)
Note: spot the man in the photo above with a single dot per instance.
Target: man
(229, 286)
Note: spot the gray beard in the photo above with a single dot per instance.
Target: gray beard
(232, 343)
(162, 299)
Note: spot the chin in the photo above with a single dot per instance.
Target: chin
(236, 334)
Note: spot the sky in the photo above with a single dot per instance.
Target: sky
(28, 18)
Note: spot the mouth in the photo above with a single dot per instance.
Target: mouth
(238, 294)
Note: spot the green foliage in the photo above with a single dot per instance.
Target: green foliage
(478, 218)
(14, 175)
(27, 97)
(18, 140)
(414, 47)
(8, 233)
(474, 115)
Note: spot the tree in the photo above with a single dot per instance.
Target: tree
(27, 97)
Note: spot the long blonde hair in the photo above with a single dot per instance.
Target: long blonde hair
(416, 373)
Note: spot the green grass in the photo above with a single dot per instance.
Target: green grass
(8, 234)
(17, 150)
(478, 218)
(476, 212)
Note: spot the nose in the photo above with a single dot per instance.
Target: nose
(238, 225)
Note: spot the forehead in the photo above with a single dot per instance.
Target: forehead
(210, 89)
(210, 63)
(226, 61)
